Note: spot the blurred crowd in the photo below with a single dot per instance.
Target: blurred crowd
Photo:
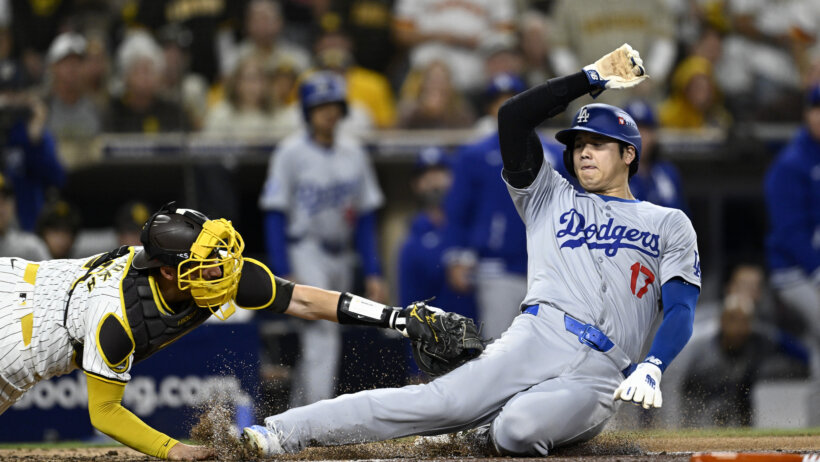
(191, 65)
(73, 70)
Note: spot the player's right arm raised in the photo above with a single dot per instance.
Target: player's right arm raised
(517, 119)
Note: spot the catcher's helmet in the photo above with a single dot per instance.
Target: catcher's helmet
(605, 120)
(190, 242)
(320, 88)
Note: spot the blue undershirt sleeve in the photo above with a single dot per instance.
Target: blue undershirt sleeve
(679, 300)
(366, 244)
(276, 242)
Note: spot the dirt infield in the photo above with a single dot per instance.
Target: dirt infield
(608, 447)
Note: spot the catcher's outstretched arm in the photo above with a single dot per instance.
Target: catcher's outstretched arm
(108, 416)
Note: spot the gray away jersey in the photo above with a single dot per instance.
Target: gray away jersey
(321, 191)
(603, 261)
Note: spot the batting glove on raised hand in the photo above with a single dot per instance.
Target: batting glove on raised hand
(622, 68)
(642, 387)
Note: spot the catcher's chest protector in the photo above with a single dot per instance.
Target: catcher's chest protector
(151, 329)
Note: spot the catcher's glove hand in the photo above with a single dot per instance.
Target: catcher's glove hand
(442, 341)
(622, 68)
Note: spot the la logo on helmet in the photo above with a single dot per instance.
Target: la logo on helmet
(583, 116)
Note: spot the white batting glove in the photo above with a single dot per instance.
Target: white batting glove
(642, 387)
(622, 68)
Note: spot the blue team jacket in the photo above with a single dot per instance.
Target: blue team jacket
(31, 168)
(662, 186)
(793, 200)
(422, 273)
(480, 212)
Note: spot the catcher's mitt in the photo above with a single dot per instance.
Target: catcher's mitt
(442, 341)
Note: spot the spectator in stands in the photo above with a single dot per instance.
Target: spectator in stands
(421, 271)
(58, 226)
(502, 56)
(13, 241)
(721, 369)
(453, 32)
(180, 85)
(263, 28)
(210, 23)
(72, 115)
(368, 89)
(34, 26)
(535, 43)
(792, 189)
(140, 108)
(584, 31)
(97, 70)
(128, 222)
(695, 100)
(759, 62)
(429, 100)
(29, 152)
(369, 24)
(656, 180)
(285, 113)
(486, 248)
(245, 110)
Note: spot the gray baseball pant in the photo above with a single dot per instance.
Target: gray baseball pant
(537, 385)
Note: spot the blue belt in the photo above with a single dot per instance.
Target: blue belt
(587, 334)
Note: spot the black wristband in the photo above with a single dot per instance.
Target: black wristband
(356, 310)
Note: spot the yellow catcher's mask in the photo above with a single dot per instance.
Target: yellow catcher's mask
(213, 269)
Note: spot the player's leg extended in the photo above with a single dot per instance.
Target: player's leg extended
(499, 295)
(571, 408)
(471, 395)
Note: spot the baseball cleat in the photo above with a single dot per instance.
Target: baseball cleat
(262, 441)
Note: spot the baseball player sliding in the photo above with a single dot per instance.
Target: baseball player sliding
(599, 263)
(106, 313)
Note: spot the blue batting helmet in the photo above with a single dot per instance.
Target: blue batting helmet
(642, 113)
(322, 88)
(605, 120)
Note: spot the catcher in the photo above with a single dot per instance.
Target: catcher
(108, 312)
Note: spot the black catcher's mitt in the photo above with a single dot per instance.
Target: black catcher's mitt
(442, 341)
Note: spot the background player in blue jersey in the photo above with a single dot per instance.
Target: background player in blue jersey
(657, 181)
(793, 245)
(600, 265)
(485, 238)
(421, 271)
(320, 200)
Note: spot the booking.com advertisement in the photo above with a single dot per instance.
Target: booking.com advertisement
(214, 360)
